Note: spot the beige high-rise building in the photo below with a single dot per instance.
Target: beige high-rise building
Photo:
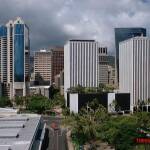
(43, 65)
(103, 65)
(106, 69)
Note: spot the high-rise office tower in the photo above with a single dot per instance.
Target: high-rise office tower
(111, 61)
(43, 65)
(122, 34)
(103, 65)
(106, 67)
(80, 64)
(57, 61)
(14, 58)
(134, 68)
(49, 63)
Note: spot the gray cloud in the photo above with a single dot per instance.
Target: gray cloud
(53, 22)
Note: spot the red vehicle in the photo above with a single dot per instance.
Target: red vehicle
(54, 126)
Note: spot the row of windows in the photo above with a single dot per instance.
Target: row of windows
(103, 50)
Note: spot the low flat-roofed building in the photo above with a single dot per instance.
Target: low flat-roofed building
(21, 132)
(7, 112)
(42, 90)
(76, 101)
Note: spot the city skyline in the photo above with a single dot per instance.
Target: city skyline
(74, 74)
(55, 22)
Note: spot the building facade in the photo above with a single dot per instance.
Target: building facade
(43, 65)
(122, 34)
(76, 101)
(80, 64)
(103, 65)
(57, 61)
(134, 68)
(111, 75)
(40, 90)
(48, 63)
(59, 82)
(14, 58)
(106, 67)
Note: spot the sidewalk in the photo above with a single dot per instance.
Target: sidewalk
(69, 141)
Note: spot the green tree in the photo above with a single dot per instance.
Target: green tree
(93, 104)
(101, 87)
(85, 124)
(143, 119)
(77, 89)
(119, 131)
(58, 100)
(5, 102)
(39, 104)
(53, 91)
(105, 88)
(19, 101)
(90, 90)
(39, 79)
(93, 122)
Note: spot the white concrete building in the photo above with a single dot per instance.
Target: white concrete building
(134, 68)
(80, 64)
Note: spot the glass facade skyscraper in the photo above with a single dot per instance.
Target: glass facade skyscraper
(122, 34)
(14, 57)
(3, 31)
(19, 53)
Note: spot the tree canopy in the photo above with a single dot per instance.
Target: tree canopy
(94, 123)
(5, 102)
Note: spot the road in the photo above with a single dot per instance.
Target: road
(57, 138)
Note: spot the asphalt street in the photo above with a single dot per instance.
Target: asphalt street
(56, 137)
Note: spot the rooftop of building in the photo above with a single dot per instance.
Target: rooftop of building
(136, 38)
(127, 28)
(18, 130)
(40, 86)
(43, 51)
(80, 40)
(7, 112)
(56, 48)
(50, 50)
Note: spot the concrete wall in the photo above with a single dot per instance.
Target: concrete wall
(74, 103)
(45, 91)
(77, 101)
(111, 98)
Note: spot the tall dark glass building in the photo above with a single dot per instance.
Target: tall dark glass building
(14, 57)
(19, 53)
(122, 34)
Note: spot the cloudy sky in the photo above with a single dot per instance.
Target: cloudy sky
(53, 22)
